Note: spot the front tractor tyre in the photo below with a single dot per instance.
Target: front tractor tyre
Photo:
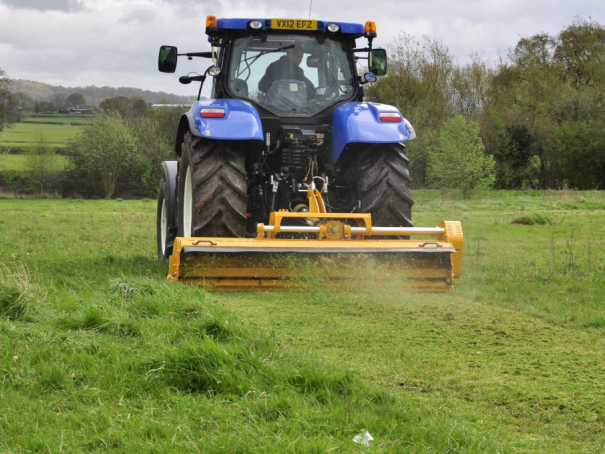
(166, 210)
(212, 189)
(384, 185)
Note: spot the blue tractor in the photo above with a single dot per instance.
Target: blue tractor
(287, 132)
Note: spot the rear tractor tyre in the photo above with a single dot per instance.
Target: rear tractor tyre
(384, 185)
(212, 189)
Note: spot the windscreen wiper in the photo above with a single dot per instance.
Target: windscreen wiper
(256, 57)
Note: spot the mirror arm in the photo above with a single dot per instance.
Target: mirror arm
(189, 55)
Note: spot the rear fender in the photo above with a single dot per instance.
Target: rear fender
(240, 122)
(359, 122)
(170, 171)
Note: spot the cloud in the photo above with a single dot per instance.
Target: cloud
(45, 5)
(115, 42)
(140, 15)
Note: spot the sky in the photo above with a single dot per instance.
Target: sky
(115, 42)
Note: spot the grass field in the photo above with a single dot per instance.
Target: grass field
(19, 162)
(58, 130)
(23, 134)
(99, 353)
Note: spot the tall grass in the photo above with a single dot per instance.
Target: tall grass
(18, 295)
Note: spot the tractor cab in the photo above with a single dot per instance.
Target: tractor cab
(286, 68)
(291, 74)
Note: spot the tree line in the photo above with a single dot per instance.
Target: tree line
(539, 110)
(93, 95)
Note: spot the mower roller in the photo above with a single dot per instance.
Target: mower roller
(287, 178)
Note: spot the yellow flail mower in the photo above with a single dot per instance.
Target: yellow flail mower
(341, 248)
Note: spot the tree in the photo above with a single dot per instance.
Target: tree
(470, 87)
(23, 103)
(115, 155)
(513, 158)
(458, 161)
(6, 99)
(75, 99)
(418, 84)
(120, 105)
(153, 147)
(44, 107)
(581, 51)
(168, 119)
(579, 151)
(59, 101)
(139, 107)
(104, 151)
(129, 108)
(40, 161)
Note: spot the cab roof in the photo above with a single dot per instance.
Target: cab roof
(297, 25)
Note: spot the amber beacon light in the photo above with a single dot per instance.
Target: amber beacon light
(370, 29)
(212, 22)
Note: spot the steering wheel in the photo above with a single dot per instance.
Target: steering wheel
(326, 93)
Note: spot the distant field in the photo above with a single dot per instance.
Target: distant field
(19, 162)
(58, 119)
(24, 134)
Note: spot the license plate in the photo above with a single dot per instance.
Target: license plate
(293, 24)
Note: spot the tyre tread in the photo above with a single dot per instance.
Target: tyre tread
(219, 189)
(385, 185)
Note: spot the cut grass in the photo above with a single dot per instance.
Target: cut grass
(113, 357)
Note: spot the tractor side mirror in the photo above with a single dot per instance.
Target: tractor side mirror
(377, 59)
(167, 59)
